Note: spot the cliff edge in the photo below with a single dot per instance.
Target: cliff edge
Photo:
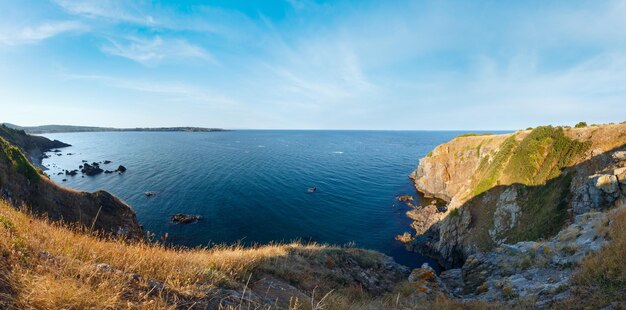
(24, 185)
(505, 212)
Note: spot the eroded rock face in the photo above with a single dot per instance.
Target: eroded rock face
(598, 191)
(506, 214)
(539, 271)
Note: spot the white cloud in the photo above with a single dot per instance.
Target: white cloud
(132, 11)
(32, 34)
(151, 52)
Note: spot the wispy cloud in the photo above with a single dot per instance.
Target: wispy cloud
(174, 91)
(344, 65)
(33, 34)
(153, 51)
(133, 11)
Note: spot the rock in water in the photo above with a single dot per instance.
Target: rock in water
(180, 218)
(91, 170)
(121, 169)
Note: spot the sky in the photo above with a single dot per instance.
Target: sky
(305, 64)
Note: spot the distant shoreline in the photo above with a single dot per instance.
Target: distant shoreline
(69, 129)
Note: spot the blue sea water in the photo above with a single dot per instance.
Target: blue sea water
(251, 186)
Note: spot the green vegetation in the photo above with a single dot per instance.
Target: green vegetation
(493, 169)
(542, 154)
(472, 134)
(581, 125)
(19, 161)
(544, 210)
(537, 163)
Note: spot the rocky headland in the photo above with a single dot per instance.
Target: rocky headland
(34, 147)
(24, 185)
(522, 210)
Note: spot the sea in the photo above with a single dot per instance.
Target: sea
(252, 186)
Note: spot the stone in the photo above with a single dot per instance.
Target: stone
(607, 183)
(156, 286)
(405, 198)
(405, 238)
(91, 170)
(180, 218)
(506, 214)
(102, 267)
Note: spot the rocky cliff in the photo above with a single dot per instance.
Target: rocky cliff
(518, 208)
(23, 185)
(33, 147)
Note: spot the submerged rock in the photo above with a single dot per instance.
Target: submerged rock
(405, 198)
(150, 194)
(180, 218)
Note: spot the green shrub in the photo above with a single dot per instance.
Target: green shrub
(581, 125)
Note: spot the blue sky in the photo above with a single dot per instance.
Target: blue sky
(299, 64)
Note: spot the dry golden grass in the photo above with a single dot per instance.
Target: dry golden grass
(45, 265)
(48, 266)
(601, 279)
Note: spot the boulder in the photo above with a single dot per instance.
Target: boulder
(405, 238)
(180, 218)
(121, 169)
(91, 170)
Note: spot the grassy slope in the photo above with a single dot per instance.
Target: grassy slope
(533, 164)
(47, 265)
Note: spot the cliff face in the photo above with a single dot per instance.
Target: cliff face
(515, 187)
(517, 205)
(21, 184)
